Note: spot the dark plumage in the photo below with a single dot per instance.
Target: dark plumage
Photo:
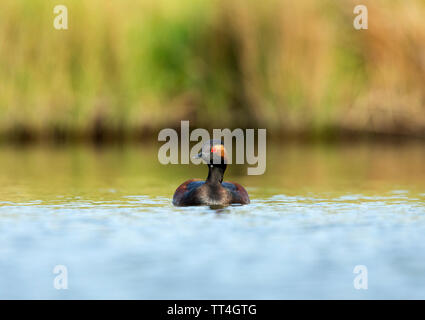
(212, 191)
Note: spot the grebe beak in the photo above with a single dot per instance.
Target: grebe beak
(198, 156)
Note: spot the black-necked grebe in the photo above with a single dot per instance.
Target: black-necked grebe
(212, 191)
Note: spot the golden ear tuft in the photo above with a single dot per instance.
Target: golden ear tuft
(219, 149)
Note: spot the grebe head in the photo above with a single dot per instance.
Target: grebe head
(213, 153)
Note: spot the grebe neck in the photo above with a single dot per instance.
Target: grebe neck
(215, 173)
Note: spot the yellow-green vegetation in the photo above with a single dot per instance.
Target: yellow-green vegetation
(126, 67)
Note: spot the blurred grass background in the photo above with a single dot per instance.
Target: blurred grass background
(126, 69)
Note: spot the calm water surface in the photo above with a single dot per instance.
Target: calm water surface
(106, 215)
